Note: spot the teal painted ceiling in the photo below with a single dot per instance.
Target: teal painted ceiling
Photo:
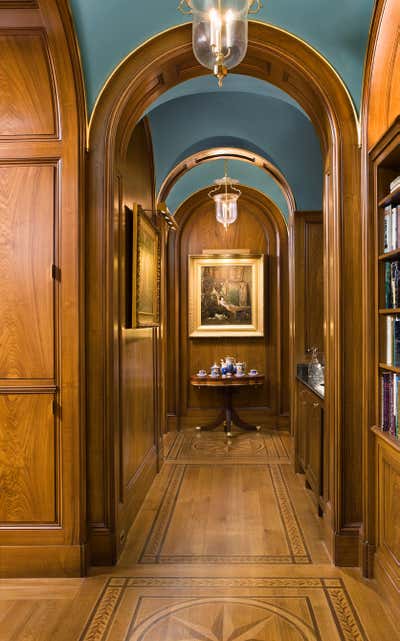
(234, 82)
(203, 176)
(109, 30)
(265, 125)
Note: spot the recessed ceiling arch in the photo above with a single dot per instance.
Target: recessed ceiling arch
(227, 153)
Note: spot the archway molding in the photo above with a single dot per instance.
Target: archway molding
(228, 153)
(286, 61)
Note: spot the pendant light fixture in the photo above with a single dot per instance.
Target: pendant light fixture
(220, 32)
(225, 197)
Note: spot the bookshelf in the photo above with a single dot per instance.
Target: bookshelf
(386, 166)
(384, 457)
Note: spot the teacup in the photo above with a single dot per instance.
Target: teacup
(253, 372)
(202, 372)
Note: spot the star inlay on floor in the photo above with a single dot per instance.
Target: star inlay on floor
(285, 609)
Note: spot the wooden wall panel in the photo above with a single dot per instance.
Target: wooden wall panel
(28, 455)
(309, 285)
(124, 453)
(387, 492)
(28, 100)
(381, 97)
(256, 230)
(26, 257)
(42, 142)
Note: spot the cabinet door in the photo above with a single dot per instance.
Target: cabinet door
(302, 419)
(314, 450)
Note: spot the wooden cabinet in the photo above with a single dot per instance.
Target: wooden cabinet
(310, 441)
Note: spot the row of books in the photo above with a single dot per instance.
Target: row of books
(392, 352)
(392, 284)
(390, 403)
(391, 228)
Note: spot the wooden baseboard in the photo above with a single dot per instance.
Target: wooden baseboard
(35, 561)
(346, 548)
(387, 575)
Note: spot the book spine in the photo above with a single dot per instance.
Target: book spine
(393, 415)
(388, 286)
(396, 342)
(398, 225)
(394, 228)
(387, 388)
(397, 391)
(389, 340)
(387, 229)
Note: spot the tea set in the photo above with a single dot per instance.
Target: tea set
(228, 367)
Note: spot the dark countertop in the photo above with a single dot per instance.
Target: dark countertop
(302, 376)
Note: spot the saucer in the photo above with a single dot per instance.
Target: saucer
(201, 375)
(253, 373)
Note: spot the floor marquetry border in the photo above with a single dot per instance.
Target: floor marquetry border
(244, 448)
(105, 621)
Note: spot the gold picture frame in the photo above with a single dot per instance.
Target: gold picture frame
(226, 295)
(146, 270)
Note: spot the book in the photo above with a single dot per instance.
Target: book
(387, 229)
(388, 286)
(396, 342)
(389, 340)
(394, 184)
(393, 241)
(387, 392)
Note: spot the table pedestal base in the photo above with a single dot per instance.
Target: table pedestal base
(227, 417)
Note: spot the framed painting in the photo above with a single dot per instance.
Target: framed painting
(146, 268)
(226, 295)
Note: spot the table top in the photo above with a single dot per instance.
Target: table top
(227, 381)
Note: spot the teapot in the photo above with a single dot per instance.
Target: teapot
(228, 365)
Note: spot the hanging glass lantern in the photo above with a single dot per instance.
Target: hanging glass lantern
(226, 197)
(220, 32)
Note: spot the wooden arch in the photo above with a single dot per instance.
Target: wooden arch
(230, 153)
(289, 63)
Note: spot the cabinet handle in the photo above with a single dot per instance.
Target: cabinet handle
(315, 404)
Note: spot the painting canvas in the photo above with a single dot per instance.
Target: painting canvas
(226, 295)
(145, 271)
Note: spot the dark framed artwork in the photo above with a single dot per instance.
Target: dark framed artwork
(226, 295)
(143, 261)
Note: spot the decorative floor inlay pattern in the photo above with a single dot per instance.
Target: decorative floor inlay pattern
(224, 609)
(200, 447)
(246, 513)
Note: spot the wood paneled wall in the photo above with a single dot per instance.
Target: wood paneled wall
(122, 436)
(260, 228)
(309, 283)
(381, 91)
(42, 137)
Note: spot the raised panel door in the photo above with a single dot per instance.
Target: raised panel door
(28, 460)
(27, 312)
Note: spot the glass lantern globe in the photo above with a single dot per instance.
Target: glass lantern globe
(220, 32)
(226, 208)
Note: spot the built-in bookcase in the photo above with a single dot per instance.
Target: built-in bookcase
(387, 211)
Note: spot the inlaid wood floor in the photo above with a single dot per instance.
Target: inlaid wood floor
(226, 547)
